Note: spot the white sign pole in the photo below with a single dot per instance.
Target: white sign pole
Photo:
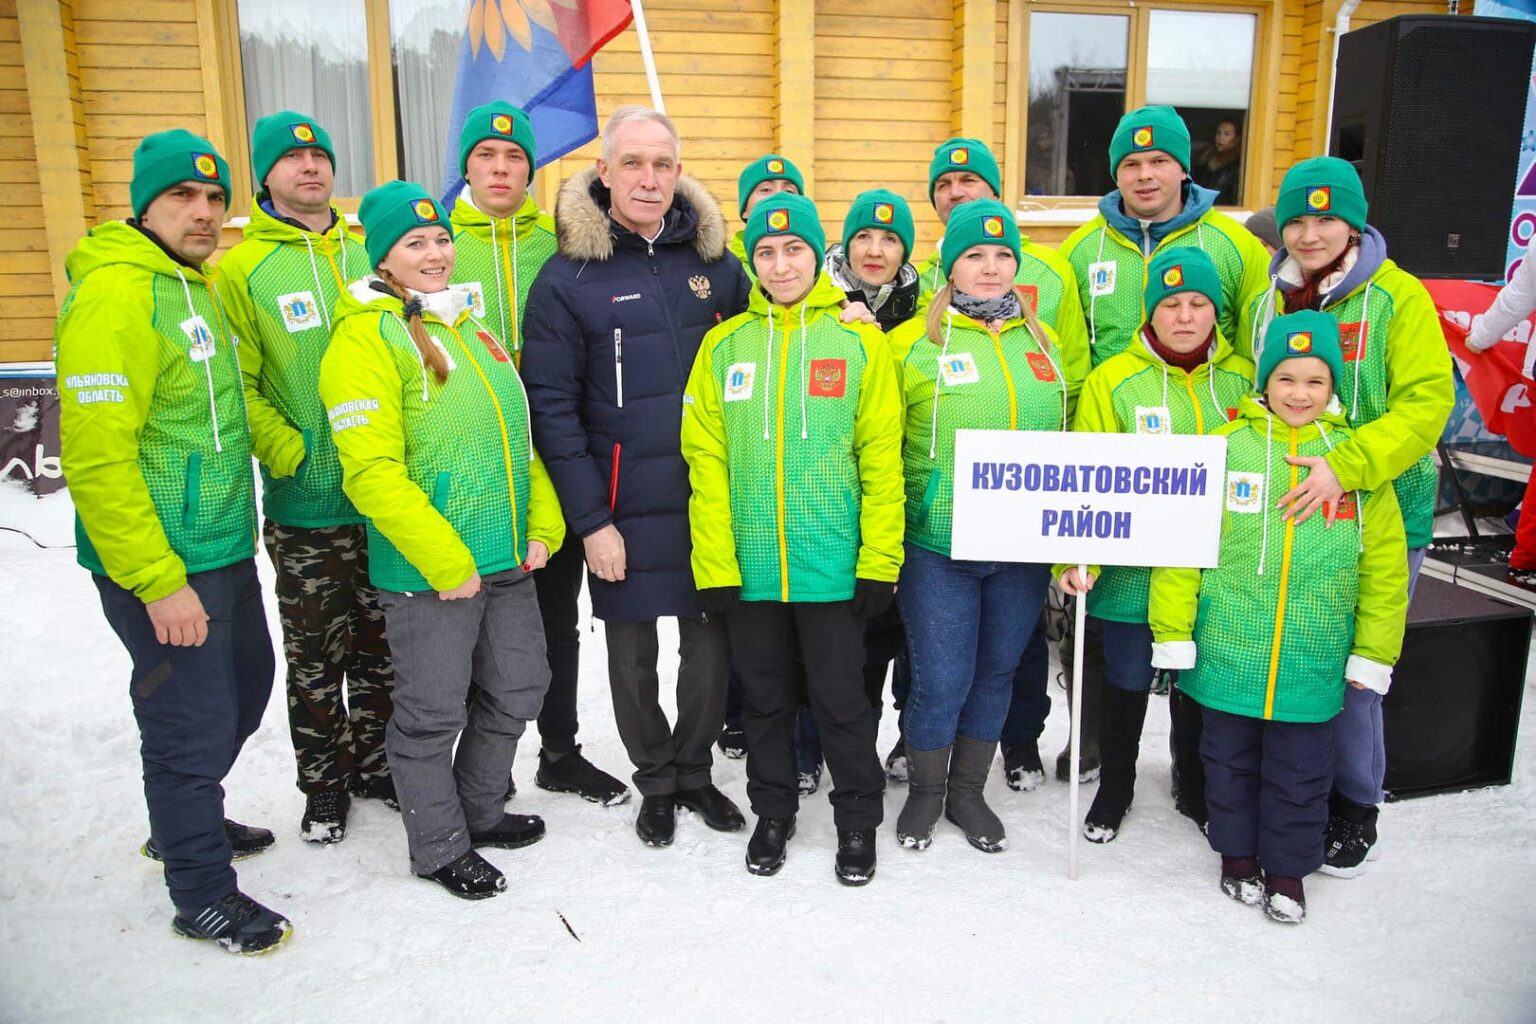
(1080, 615)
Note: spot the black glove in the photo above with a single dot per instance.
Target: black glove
(871, 597)
(717, 601)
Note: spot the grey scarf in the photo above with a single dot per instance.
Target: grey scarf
(1004, 307)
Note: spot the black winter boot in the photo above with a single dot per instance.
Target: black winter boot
(1351, 838)
(964, 804)
(1186, 720)
(1125, 711)
(927, 771)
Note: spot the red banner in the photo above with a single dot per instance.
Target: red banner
(1499, 379)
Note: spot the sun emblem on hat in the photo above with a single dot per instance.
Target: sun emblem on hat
(775, 166)
(960, 156)
(885, 213)
(1173, 277)
(1298, 342)
(992, 227)
(778, 221)
(205, 166)
(1320, 197)
(501, 124)
(425, 211)
(1141, 138)
(302, 132)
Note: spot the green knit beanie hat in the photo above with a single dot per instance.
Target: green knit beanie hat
(1307, 333)
(983, 222)
(391, 210)
(170, 158)
(1185, 268)
(1322, 185)
(765, 168)
(880, 208)
(961, 154)
(497, 119)
(1147, 129)
(277, 133)
(785, 213)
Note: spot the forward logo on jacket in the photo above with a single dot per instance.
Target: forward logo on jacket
(1101, 278)
(196, 329)
(700, 285)
(300, 311)
(1152, 419)
(829, 378)
(738, 381)
(476, 297)
(1040, 363)
(493, 346)
(1351, 342)
(1245, 492)
(958, 368)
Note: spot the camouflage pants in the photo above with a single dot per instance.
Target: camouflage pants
(333, 628)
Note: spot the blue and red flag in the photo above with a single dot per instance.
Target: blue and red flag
(535, 54)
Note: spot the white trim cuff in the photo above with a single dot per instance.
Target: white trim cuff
(1372, 674)
(1173, 654)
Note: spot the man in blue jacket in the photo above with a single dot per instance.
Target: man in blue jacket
(612, 326)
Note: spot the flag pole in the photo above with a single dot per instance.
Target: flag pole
(647, 56)
(1076, 718)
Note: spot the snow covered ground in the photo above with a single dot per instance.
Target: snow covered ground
(1442, 928)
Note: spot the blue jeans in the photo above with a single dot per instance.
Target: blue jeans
(1031, 702)
(1359, 744)
(1127, 655)
(967, 624)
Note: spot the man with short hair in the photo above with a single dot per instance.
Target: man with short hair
(612, 327)
(1156, 207)
(158, 456)
(280, 285)
(768, 175)
(501, 241)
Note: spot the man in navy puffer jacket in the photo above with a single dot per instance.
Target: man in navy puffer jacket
(612, 326)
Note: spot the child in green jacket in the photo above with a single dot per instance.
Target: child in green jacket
(1294, 613)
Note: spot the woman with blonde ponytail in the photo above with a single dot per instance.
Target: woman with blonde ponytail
(431, 423)
(981, 359)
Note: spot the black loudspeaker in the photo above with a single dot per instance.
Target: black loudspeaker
(1453, 712)
(1429, 109)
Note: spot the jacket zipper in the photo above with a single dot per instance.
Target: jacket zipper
(779, 471)
(618, 363)
(1013, 397)
(1194, 401)
(1285, 578)
(506, 442)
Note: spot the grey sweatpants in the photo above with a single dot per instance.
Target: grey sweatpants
(495, 638)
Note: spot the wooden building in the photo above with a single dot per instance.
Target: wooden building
(857, 94)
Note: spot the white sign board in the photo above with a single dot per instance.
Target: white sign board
(1102, 499)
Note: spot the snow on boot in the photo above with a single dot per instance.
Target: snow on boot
(1351, 839)
(809, 781)
(325, 816)
(1022, 768)
(1284, 900)
(733, 742)
(471, 877)
(1123, 713)
(1242, 880)
(896, 761)
(964, 804)
(927, 771)
(855, 864)
(244, 841)
(236, 922)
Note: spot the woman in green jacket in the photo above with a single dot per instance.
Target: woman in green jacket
(792, 432)
(1397, 391)
(431, 423)
(981, 359)
(1266, 641)
(1180, 376)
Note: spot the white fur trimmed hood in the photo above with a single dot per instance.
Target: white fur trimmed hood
(584, 229)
